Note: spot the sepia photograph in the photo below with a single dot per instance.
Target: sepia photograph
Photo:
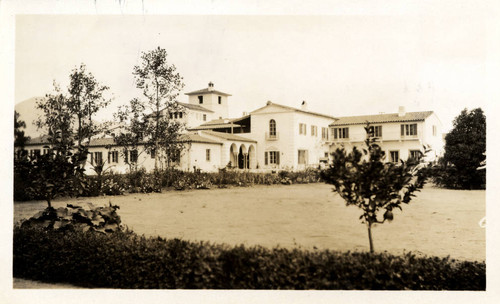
(250, 152)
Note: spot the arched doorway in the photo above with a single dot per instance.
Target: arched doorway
(233, 155)
(243, 157)
(252, 157)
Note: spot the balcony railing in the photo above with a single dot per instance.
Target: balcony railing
(272, 136)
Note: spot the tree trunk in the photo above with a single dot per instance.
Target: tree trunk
(370, 237)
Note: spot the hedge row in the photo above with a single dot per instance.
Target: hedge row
(141, 181)
(126, 260)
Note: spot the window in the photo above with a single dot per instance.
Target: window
(153, 153)
(340, 133)
(394, 156)
(272, 128)
(220, 100)
(133, 156)
(180, 114)
(434, 130)
(204, 117)
(314, 131)
(302, 129)
(375, 131)
(35, 152)
(409, 130)
(207, 152)
(96, 158)
(272, 157)
(324, 133)
(326, 154)
(46, 150)
(113, 157)
(171, 115)
(175, 115)
(200, 99)
(415, 154)
(303, 157)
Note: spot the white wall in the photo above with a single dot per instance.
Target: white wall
(289, 140)
(392, 140)
(195, 155)
(210, 101)
(315, 145)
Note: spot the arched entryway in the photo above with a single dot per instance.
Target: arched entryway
(252, 157)
(233, 155)
(243, 157)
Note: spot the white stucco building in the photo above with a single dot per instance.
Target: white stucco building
(401, 135)
(273, 137)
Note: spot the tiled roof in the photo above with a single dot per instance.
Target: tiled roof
(382, 118)
(228, 136)
(195, 107)
(40, 140)
(215, 126)
(193, 137)
(217, 122)
(206, 91)
(294, 109)
(101, 142)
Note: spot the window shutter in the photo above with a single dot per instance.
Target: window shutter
(277, 157)
(126, 156)
(402, 130)
(265, 158)
(346, 132)
(91, 158)
(109, 157)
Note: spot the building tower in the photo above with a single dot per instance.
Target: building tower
(211, 99)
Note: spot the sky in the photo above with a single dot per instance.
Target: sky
(341, 65)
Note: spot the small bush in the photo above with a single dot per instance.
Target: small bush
(125, 260)
(86, 217)
(140, 181)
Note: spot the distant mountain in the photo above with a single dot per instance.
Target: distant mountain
(29, 114)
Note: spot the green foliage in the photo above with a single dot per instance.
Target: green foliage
(109, 184)
(126, 260)
(57, 173)
(363, 179)
(85, 98)
(82, 218)
(19, 138)
(57, 119)
(140, 181)
(160, 85)
(464, 151)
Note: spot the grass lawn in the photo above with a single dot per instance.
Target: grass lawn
(437, 222)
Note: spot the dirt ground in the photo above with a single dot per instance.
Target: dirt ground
(437, 222)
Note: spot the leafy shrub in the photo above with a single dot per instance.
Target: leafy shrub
(142, 182)
(112, 184)
(126, 260)
(87, 217)
(47, 176)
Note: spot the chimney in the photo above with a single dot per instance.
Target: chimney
(402, 111)
(303, 106)
(268, 102)
(245, 113)
(210, 86)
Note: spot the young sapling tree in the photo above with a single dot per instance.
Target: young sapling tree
(364, 179)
